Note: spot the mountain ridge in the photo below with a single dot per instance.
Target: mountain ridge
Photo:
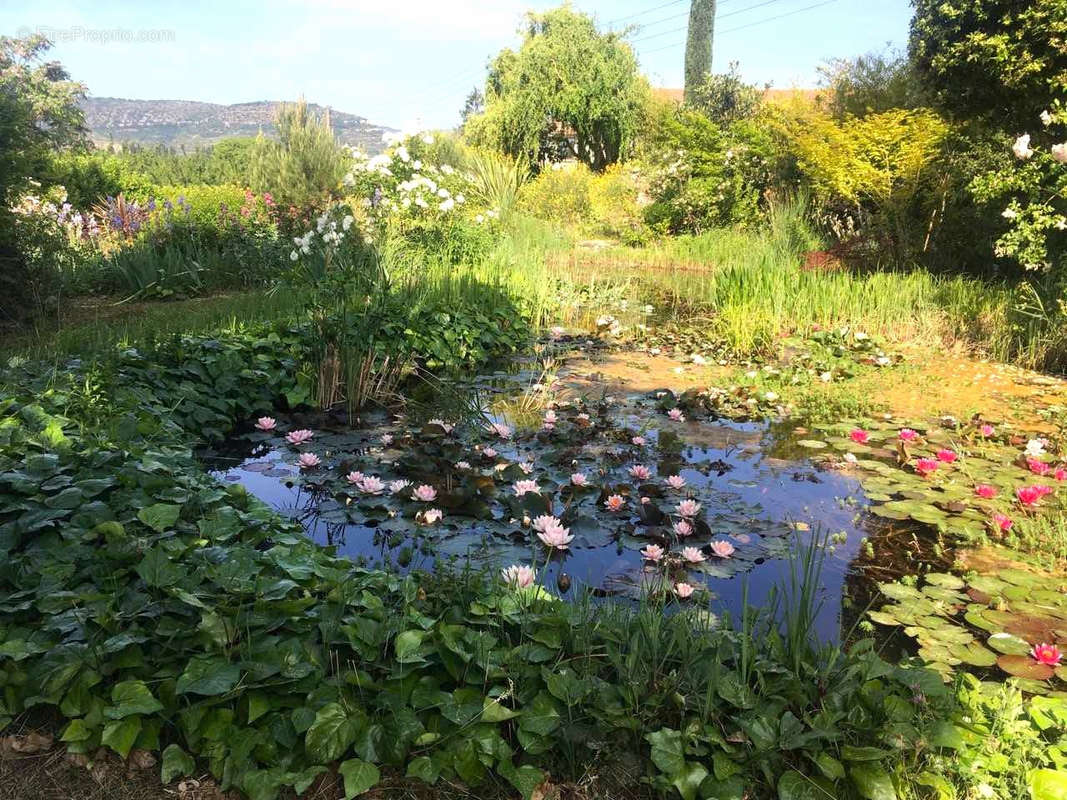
(195, 123)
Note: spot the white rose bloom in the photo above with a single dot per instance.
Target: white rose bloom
(1021, 148)
(1046, 118)
(1059, 152)
(1009, 213)
(293, 256)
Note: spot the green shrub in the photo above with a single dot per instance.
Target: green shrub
(559, 194)
(90, 177)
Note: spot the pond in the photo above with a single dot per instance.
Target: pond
(648, 500)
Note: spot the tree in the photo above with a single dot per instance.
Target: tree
(569, 91)
(698, 46)
(39, 112)
(725, 98)
(1003, 60)
(871, 83)
(305, 165)
(472, 106)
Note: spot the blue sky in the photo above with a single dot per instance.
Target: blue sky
(409, 62)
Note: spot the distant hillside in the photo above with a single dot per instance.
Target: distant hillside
(189, 123)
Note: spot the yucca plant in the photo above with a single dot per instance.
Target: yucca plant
(497, 179)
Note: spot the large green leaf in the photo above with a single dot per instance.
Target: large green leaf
(359, 777)
(160, 516)
(331, 734)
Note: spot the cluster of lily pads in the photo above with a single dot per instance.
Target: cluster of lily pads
(970, 479)
(585, 478)
(1011, 622)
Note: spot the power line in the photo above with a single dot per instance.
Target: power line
(642, 13)
(717, 18)
(749, 25)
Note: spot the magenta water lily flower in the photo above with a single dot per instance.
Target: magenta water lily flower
(266, 423)
(308, 460)
(688, 508)
(640, 472)
(354, 477)
(653, 553)
(683, 590)
(722, 548)
(676, 415)
(424, 493)
(683, 528)
(693, 555)
(1002, 522)
(926, 466)
(1037, 466)
(676, 481)
(371, 484)
(519, 576)
(908, 435)
(1029, 495)
(946, 456)
(986, 491)
(556, 536)
(614, 502)
(859, 435)
(299, 437)
(525, 487)
(1060, 474)
(1047, 654)
(579, 479)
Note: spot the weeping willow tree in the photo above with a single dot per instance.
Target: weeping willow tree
(698, 46)
(305, 164)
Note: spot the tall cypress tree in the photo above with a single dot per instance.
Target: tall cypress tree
(698, 45)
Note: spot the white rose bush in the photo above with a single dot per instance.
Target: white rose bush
(1034, 190)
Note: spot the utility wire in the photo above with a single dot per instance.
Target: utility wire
(717, 18)
(749, 25)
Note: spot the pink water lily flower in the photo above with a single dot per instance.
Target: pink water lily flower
(985, 490)
(683, 528)
(693, 555)
(556, 536)
(371, 484)
(354, 477)
(688, 508)
(640, 472)
(266, 423)
(525, 487)
(675, 481)
(1037, 467)
(526, 467)
(926, 466)
(489, 452)
(579, 479)
(500, 429)
(387, 439)
(683, 590)
(653, 553)
(396, 487)
(614, 502)
(424, 493)
(908, 435)
(946, 456)
(430, 516)
(859, 436)
(638, 441)
(550, 417)
(1047, 654)
(463, 465)
(308, 460)
(299, 437)
(1002, 522)
(1060, 474)
(676, 415)
(519, 576)
(1029, 495)
(722, 548)
(987, 430)
(543, 521)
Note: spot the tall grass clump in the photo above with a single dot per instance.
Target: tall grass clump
(497, 179)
